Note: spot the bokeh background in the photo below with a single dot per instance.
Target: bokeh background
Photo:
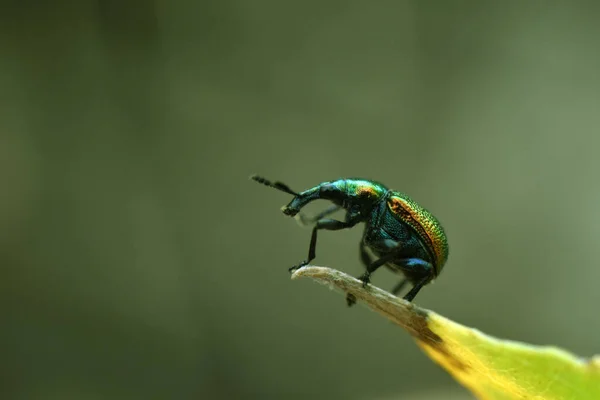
(139, 262)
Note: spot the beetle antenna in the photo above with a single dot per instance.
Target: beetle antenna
(275, 185)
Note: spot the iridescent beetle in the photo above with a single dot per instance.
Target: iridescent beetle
(404, 236)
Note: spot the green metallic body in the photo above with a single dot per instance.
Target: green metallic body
(403, 235)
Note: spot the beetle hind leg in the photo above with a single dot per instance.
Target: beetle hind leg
(419, 271)
(413, 292)
(399, 286)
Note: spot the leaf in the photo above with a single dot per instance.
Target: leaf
(492, 369)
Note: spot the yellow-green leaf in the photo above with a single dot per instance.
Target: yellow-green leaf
(491, 368)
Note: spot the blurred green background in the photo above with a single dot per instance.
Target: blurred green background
(138, 261)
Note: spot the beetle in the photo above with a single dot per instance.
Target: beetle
(403, 236)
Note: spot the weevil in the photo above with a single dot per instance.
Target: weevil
(403, 236)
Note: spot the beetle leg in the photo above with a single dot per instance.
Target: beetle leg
(351, 299)
(415, 265)
(305, 220)
(413, 292)
(394, 253)
(399, 286)
(365, 258)
(373, 266)
(327, 224)
(420, 268)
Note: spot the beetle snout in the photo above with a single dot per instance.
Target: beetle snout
(328, 189)
(287, 210)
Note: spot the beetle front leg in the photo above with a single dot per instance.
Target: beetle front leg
(326, 224)
(305, 220)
